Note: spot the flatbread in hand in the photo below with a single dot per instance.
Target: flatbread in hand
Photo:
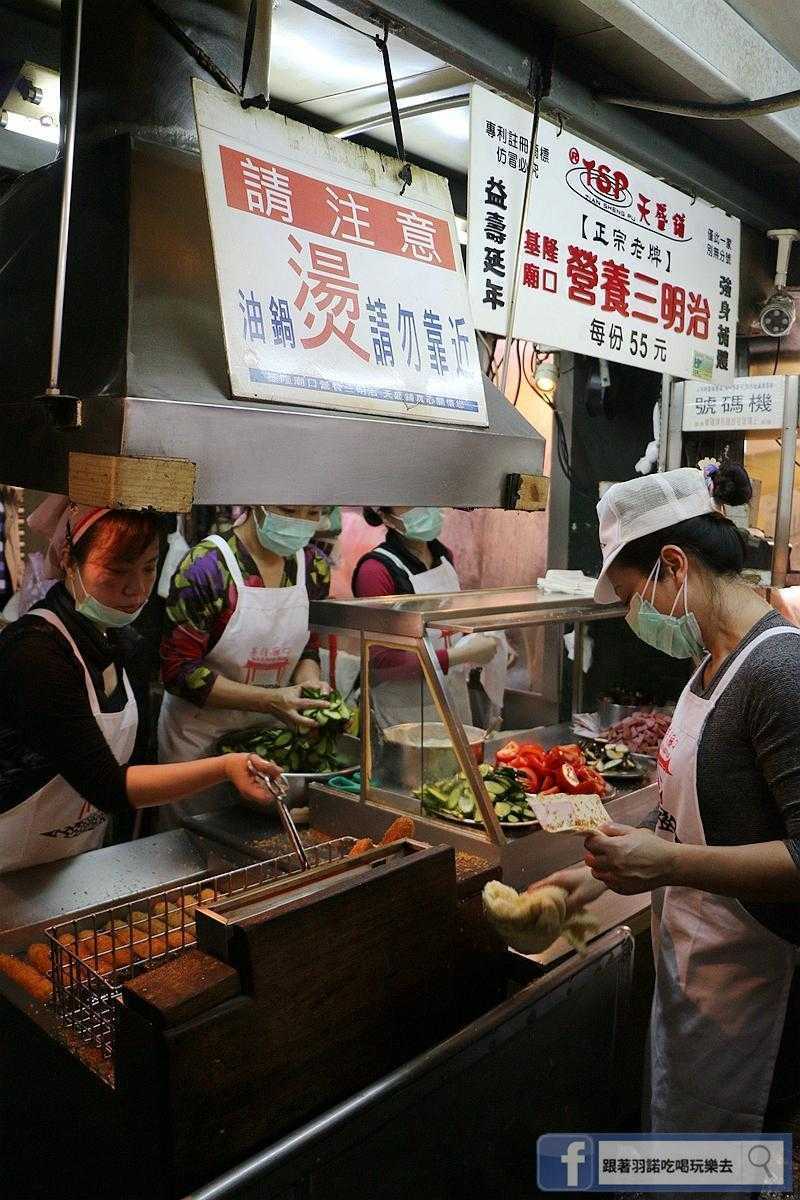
(532, 921)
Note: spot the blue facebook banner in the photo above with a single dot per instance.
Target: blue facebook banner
(640, 1162)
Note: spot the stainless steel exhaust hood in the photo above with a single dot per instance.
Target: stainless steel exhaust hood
(143, 348)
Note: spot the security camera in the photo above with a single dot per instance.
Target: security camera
(778, 313)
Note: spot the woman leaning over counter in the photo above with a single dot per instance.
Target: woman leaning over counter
(722, 850)
(237, 648)
(70, 723)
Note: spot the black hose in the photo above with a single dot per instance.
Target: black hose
(708, 110)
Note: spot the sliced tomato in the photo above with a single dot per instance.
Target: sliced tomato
(568, 778)
(529, 778)
(507, 752)
(547, 781)
(551, 791)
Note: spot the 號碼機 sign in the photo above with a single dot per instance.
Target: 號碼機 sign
(500, 145)
(618, 265)
(751, 402)
(336, 290)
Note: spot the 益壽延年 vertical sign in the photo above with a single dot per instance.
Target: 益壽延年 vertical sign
(751, 402)
(618, 265)
(500, 136)
(335, 290)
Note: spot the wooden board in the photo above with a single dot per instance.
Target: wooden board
(114, 481)
(338, 989)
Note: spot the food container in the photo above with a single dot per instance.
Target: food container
(348, 751)
(411, 754)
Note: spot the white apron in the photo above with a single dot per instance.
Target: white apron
(398, 700)
(722, 979)
(56, 822)
(261, 645)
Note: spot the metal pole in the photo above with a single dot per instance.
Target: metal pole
(66, 202)
(577, 669)
(783, 520)
(667, 383)
(262, 48)
(673, 434)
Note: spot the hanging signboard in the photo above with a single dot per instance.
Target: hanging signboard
(618, 265)
(752, 402)
(500, 139)
(335, 290)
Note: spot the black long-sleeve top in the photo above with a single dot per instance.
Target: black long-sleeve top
(46, 722)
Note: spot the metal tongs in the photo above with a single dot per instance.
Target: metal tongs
(278, 788)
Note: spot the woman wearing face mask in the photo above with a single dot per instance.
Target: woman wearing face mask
(412, 561)
(236, 649)
(70, 722)
(722, 850)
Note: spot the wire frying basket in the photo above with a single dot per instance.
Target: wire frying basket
(94, 954)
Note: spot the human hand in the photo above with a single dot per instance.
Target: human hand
(238, 772)
(628, 860)
(577, 882)
(287, 705)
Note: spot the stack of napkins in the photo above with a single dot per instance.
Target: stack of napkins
(574, 583)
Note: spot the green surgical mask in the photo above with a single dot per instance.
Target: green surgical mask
(422, 524)
(102, 614)
(281, 534)
(680, 637)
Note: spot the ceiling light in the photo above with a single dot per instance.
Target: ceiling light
(546, 377)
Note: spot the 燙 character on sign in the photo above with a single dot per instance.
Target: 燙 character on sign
(460, 343)
(252, 317)
(268, 191)
(673, 307)
(699, 312)
(334, 294)
(582, 273)
(496, 193)
(379, 328)
(407, 328)
(432, 323)
(350, 216)
(282, 325)
(419, 235)
(615, 286)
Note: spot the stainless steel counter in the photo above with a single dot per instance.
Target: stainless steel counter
(100, 877)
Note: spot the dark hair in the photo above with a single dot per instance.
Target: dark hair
(712, 539)
(373, 515)
(117, 535)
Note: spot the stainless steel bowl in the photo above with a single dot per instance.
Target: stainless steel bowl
(400, 764)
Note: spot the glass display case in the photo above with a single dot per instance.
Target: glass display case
(425, 750)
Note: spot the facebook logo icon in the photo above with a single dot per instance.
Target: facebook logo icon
(565, 1162)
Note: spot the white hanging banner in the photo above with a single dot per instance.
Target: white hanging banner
(336, 290)
(751, 402)
(618, 265)
(500, 135)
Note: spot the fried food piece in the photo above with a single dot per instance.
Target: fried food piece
(360, 847)
(38, 955)
(66, 939)
(102, 953)
(532, 921)
(26, 976)
(403, 827)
